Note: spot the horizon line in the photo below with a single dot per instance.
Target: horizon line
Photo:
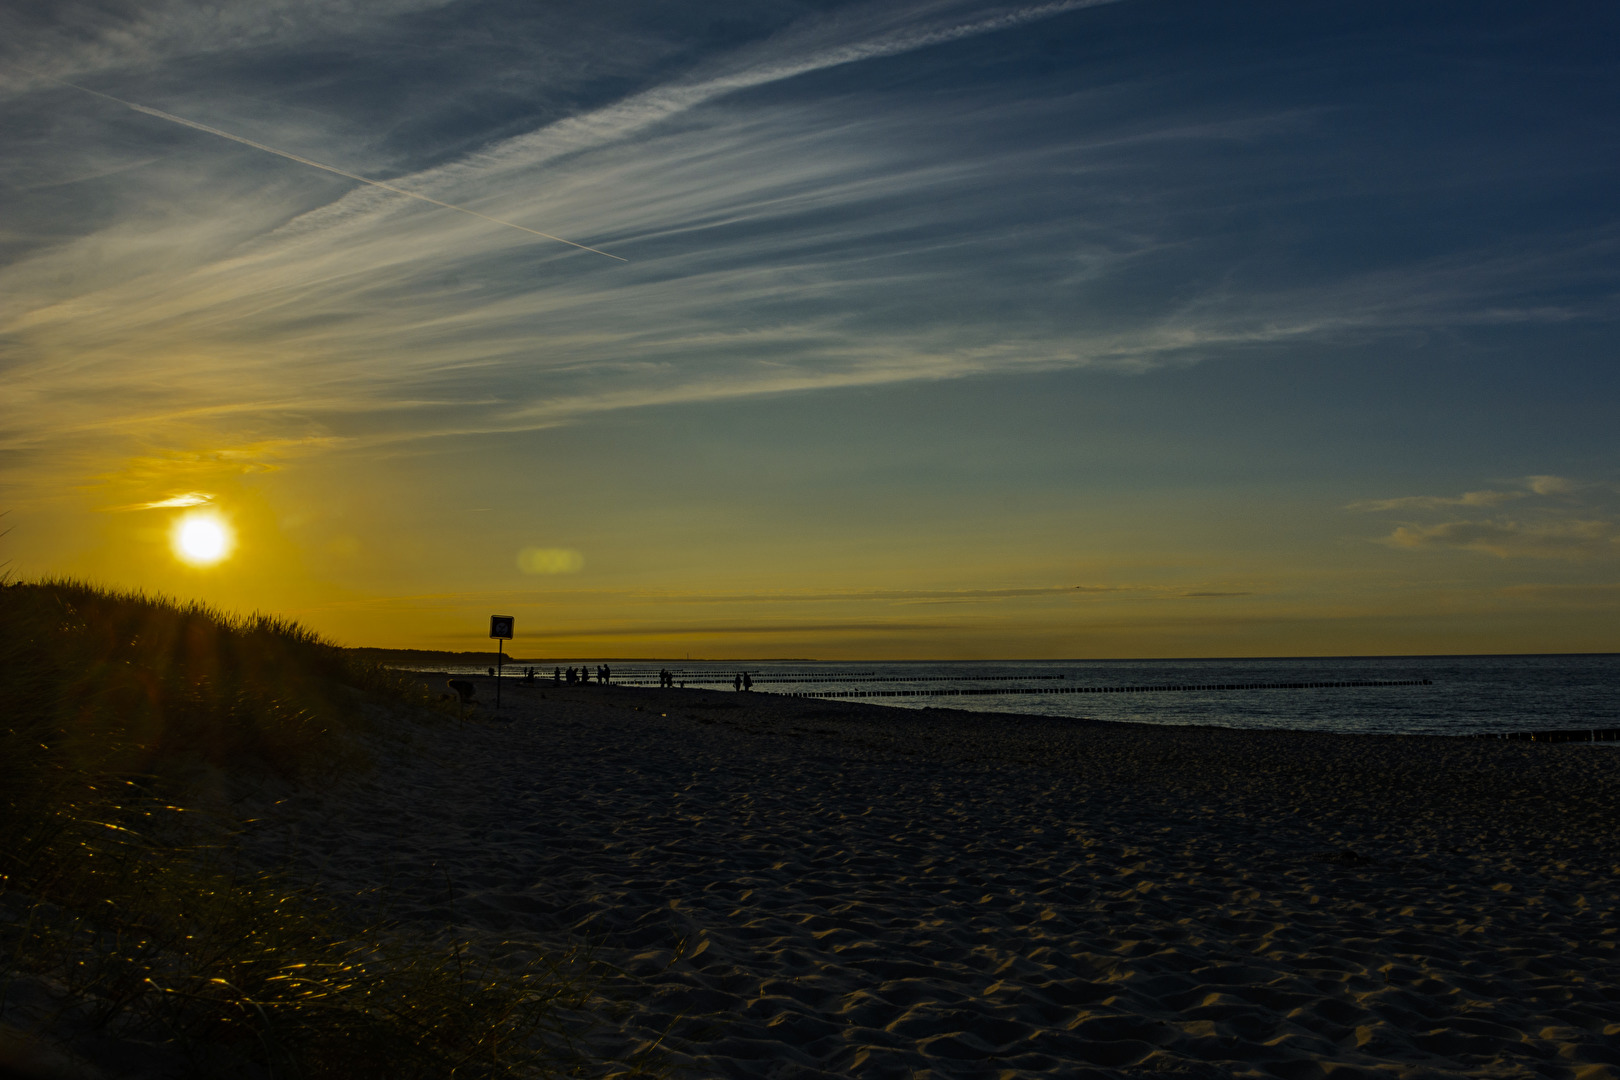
(510, 659)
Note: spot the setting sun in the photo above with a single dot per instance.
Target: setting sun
(202, 539)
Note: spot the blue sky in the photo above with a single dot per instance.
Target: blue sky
(1204, 319)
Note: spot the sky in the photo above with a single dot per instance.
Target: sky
(926, 329)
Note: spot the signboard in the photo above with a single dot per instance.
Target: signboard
(500, 626)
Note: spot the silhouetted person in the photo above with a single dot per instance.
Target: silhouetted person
(556, 674)
(736, 682)
(607, 674)
(464, 694)
(748, 681)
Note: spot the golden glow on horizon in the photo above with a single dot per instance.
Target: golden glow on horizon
(367, 554)
(202, 538)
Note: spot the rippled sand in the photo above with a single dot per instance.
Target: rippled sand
(798, 888)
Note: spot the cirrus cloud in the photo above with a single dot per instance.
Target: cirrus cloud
(1556, 518)
(1513, 539)
(174, 502)
(1432, 502)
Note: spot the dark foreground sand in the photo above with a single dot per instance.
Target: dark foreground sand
(800, 888)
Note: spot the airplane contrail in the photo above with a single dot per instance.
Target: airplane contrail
(161, 115)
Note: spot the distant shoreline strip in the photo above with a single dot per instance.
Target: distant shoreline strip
(1193, 688)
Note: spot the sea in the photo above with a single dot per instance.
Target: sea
(1427, 695)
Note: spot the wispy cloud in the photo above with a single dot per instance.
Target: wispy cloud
(1550, 485)
(84, 35)
(877, 31)
(797, 224)
(1585, 594)
(748, 629)
(1526, 487)
(1556, 518)
(795, 598)
(1516, 539)
(1433, 502)
(174, 502)
(962, 596)
(393, 189)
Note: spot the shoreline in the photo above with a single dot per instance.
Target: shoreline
(814, 887)
(1597, 735)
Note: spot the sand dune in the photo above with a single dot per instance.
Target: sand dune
(809, 888)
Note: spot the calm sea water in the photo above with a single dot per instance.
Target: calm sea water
(1466, 695)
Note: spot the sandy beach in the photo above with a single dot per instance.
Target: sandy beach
(797, 888)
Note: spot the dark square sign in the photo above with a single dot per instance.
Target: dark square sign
(501, 626)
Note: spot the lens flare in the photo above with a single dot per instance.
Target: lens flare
(536, 560)
(202, 539)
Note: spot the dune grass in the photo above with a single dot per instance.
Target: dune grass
(121, 711)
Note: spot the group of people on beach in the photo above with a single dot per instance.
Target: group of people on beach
(666, 680)
(582, 675)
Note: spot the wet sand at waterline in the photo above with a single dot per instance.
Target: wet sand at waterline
(797, 888)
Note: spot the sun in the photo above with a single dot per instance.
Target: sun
(202, 539)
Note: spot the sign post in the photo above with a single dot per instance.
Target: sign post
(500, 628)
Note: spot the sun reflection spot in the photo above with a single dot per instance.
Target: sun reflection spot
(202, 539)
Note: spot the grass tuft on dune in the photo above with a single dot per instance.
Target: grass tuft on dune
(124, 713)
